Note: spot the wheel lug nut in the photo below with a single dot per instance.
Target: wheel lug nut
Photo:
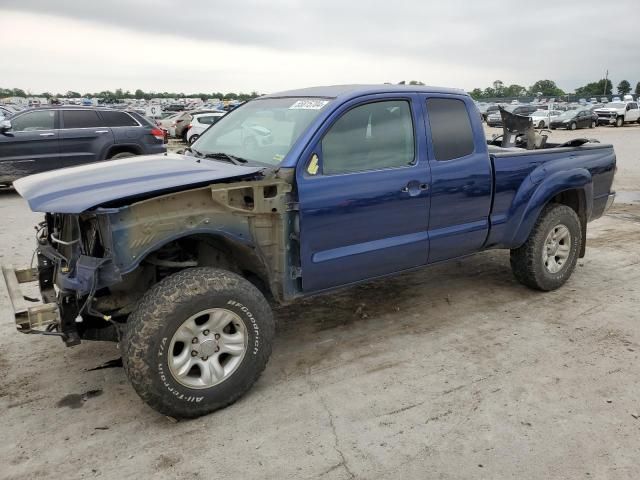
(194, 340)
(206, 332)
(205, 358)
(217, 336)
(194, 353)
(217, 349)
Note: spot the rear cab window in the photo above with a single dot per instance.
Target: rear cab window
(450, 128)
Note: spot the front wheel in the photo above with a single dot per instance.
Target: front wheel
(193, 138)
(197, 341)
(541, 124)
(619, 122)
(549, 256)
(573, 126)
(593, 124)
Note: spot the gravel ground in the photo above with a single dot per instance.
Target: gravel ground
(453, 372)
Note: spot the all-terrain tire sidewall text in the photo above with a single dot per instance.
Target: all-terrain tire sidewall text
(163, 309)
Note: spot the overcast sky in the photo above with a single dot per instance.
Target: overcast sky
(244, 45)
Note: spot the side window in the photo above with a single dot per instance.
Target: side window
(80, 119)
(451, 132)
(32, 121)
(117, 119)
(370, 137)
(210, 120)
(634, 106)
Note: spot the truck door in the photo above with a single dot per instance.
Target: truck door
(633, 112)
(461, 178)
(83, 137)
(363, 189)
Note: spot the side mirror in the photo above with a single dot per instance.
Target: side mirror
(5, 125)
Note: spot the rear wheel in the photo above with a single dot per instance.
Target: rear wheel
(619, 122)
(197, 341)
(549, 256)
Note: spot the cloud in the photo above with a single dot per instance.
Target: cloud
(569, 41)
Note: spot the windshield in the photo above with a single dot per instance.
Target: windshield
(262, 131)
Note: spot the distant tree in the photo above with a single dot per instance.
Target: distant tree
(72, 94)
(638, 88)
(594, 89)
(231, 96)
(402, 82)
(476, 94)
(46, 95)
(490, 93)
(624, 87)
(18, 92)
(139, 93)
(515, 91)
(416, 82)
(498, 87)
(548, 88)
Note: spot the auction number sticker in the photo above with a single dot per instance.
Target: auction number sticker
(308, 105)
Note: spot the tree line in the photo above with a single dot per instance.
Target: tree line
(548, 88)
(112, 96)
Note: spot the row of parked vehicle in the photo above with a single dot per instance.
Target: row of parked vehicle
(569, 116)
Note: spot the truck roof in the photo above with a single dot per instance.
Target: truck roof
(352, 91)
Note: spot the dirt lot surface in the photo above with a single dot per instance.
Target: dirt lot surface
(453, 372)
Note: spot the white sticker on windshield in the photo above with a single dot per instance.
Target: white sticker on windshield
(308, 105)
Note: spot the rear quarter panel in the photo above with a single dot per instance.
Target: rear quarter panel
(525, 182)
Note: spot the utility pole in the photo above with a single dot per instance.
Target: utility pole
(606, 78)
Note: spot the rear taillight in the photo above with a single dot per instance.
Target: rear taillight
(158, 133)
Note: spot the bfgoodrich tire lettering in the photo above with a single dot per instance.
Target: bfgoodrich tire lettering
(163, 309)
(527, 262)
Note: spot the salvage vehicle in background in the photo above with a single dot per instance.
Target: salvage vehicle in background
(42, 139)
(618, 113)
(542, 118)
(495, 118)
(200, 122)
(177, 257)
(180, 124)
(573, 119)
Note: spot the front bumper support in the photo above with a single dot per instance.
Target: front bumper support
(28, 319)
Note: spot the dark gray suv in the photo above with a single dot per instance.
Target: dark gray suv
(41, 139)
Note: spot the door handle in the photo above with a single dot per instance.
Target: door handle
(47, 134)
(102, 131)
(414, 188)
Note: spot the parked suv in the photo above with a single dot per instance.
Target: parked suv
(41, 139)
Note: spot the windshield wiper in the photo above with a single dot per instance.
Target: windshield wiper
(225, 156)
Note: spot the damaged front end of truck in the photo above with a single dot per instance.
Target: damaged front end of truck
(94, 266)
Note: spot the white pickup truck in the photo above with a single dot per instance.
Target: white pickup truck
(618, 113)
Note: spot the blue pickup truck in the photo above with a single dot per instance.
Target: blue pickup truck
(178, 257)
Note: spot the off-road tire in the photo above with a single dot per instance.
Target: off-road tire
(163, 309)
(121, 155)
(619, 122)
(527, 262)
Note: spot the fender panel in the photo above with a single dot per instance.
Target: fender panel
(532, 197)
